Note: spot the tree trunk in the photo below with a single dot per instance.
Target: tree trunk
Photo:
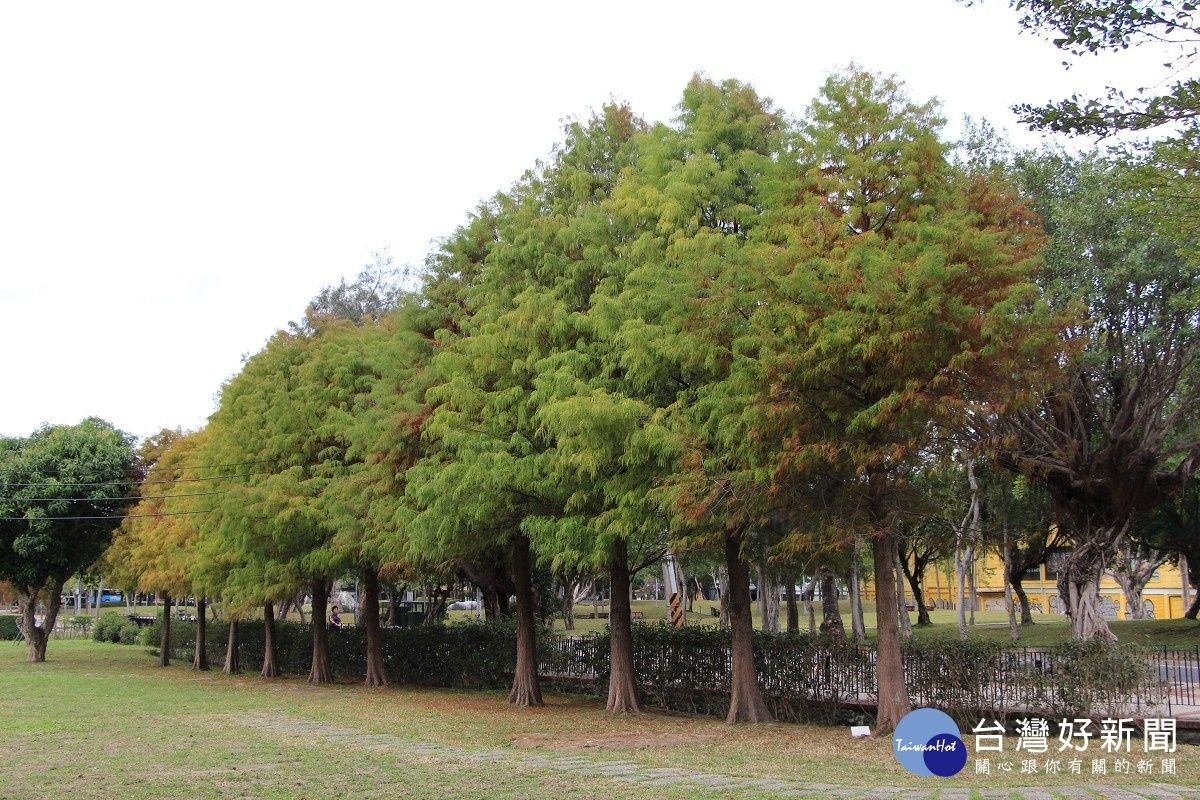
(857, 625)
(270, 665)
(1194, 608)
(745, 699)
(810, 591)
(793, 608)
(889, 664)
(1133, 571)
(376, 671)
(200, 659)
(38, 636)
(964, 550)
(962, 561)
(901, 600)
(768, 600)
(1185, 581)
(1013, 633)
(723, 620)
(568, 608)
(831, 622)
(622, 681)
(320, 672)
(99, 594)
(164, 645)
(1079, 584)
(916, 578)
(526, 691)
(1022, 599)
(233, 661)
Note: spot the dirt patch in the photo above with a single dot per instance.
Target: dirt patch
(610, 741)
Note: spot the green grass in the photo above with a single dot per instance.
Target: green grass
(104, 721)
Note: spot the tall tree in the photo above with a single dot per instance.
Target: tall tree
(283, 412)
(896, 296)
(63, 492)
(692, 201)
(155, 545)
(1115, 437)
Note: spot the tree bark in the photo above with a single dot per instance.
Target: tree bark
(831, 614)
(37, 637)
(376, 671)
(1133, 571)
(810, 591)
(200, 659)
(99, 594)
(569, 583)
(320, 672)
(901, 601)
(1022, 599)
(745, 699)
(768, 600)
(1194, 608)
(164, 645)
(915, 578)
(1079, 584)
(1185, 581)
(233, 661)
(622, 681)
(270, 665)
(857, 624)
(526, 691)
(1013, 633)
(723, 620)
(889, 665)
(793, 607)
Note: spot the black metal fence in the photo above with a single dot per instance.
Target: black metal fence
(803, 678)
(819, 678)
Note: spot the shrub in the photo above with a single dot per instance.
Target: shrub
(8, 628)
(108, 627)
(115, 628)
(183, 637)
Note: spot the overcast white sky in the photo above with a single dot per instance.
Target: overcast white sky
(177, 181)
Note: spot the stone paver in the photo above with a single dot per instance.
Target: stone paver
(631, 772)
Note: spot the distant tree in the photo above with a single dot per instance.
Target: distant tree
(1083, 27)
(1116, 434)
(153, 550)
(377, 290)
(63, 492)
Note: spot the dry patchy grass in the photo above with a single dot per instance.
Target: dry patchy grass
(105, 718)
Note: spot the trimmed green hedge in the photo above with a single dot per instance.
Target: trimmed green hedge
(802, 677)
(8, 628)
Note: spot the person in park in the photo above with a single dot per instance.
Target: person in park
(335, 621)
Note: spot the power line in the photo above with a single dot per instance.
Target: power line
(160, 465)
(111, 499)
(108, 516)
(133, 483)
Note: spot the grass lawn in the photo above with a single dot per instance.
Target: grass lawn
(104, 721)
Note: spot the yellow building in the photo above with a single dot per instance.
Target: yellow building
(1163, 597)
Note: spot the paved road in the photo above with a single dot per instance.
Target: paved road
(620, 771)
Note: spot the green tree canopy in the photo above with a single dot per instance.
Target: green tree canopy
(63, 492)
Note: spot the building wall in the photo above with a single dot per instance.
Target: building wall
(1164, 592)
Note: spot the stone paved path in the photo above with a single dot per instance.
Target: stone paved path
(631, 772)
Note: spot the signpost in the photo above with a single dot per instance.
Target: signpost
(673, 578)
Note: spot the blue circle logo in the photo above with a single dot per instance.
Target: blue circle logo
(927, 742)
